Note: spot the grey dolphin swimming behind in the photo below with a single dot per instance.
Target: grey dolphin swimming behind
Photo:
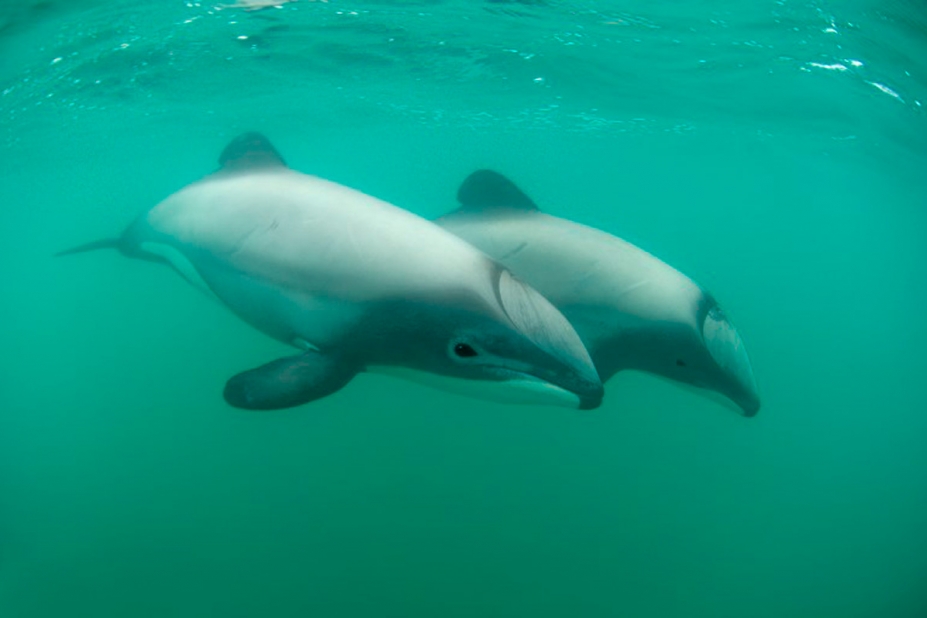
(631, 310)
(356, 284)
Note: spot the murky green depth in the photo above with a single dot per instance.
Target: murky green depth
(775, 152)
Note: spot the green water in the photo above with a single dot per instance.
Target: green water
(774, 151)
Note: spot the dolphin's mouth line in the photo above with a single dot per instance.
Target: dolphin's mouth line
(585, 399)
(529, 377)
(506, 386)
(539, 384)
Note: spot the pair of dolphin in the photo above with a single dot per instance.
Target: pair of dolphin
(357, 284)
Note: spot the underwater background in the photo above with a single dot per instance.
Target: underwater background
(775, 151)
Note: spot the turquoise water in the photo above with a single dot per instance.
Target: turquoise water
(774, 151)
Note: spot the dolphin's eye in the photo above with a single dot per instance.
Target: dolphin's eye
(464, 351)
(680, 362)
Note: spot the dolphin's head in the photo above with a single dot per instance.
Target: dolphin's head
(515, 348)
(529, 349)
(707, 352)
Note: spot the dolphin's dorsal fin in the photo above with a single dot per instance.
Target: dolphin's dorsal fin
(489, 190)
(250, 151)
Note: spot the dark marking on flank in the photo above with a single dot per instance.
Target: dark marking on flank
(513, 251)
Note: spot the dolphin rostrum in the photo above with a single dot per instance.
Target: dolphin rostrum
(356, 284)
(631, 310)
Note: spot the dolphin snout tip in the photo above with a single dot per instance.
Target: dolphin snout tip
(591, 397)
(750, 408)
(587, 403)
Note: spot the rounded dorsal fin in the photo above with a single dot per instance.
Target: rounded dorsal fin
(249, 151)
(488, 190)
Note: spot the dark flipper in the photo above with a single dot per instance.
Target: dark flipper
(288, 382)
(106, 243)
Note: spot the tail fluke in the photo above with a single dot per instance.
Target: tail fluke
(106, 243)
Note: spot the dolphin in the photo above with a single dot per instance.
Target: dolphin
(356, 284)
(631, 310)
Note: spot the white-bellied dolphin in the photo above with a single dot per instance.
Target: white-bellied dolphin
(631, 310)
(357, 284)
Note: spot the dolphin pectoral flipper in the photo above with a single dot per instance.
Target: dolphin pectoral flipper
(290, 381)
